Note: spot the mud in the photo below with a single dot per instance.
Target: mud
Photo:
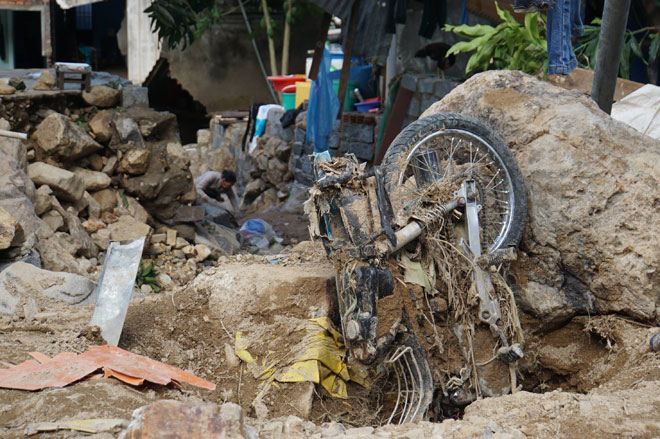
(599, 356)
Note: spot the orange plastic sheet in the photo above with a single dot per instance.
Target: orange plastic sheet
(67, 367)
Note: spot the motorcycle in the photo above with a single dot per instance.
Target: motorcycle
(420, 245)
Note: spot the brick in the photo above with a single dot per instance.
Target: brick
(134, 96)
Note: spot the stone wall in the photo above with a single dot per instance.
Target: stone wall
(427, 90)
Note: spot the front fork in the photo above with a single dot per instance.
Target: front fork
(361, 289)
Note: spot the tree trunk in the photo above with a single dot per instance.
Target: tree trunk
(287, 37)
(271, 43)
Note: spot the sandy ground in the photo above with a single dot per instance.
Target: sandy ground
(592, 370)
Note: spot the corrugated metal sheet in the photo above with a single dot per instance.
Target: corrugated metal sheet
(371, 42)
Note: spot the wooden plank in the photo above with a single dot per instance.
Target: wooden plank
(395, 122)
(319, 46)
(348, 49)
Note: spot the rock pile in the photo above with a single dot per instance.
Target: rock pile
(98, 175)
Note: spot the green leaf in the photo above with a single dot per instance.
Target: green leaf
(532, 27)
(634, 46)
(506, 16)
(624, 66)
(149, 269)
(653, 47)
(467, 31)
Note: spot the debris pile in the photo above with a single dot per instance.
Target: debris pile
(94, 174)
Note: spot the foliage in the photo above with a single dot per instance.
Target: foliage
(184, 21)
(507, 46)
(146, 275)
(642, 43)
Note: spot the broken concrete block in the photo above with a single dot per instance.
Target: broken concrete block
(58, 136)
(135, 161)
(102, 96)
(65, 184)
(128, 228)
(158, 238)
(94, 181)
(171, 238)
(134, 96)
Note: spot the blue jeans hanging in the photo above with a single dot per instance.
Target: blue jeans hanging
(564, 21)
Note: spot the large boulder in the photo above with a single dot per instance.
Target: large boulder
(591, 244)
(102, 96)
(58, 136)
(65, 184)
(20, 281)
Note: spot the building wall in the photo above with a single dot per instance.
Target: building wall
(6, 19)
(221, 69)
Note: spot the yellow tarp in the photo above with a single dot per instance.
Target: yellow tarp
(241, 349)
(319, 358)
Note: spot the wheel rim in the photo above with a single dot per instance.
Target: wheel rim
(453, 153)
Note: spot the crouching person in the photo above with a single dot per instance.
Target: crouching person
(212, 189)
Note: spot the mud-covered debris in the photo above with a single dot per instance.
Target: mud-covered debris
(66, 368)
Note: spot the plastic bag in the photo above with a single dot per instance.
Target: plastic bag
(323, 107)
(258, 233)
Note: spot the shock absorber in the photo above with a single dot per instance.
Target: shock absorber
(415, 227)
